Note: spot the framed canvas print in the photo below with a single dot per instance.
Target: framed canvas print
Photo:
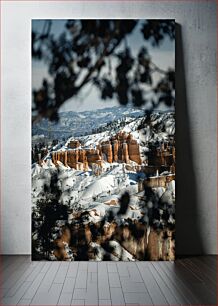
(103, 140)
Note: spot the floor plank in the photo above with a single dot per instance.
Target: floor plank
(103, 282)
(65, 299)
(49, 277)
(172, 269)
(48, 298)
(117, 296)
(31, 268)
(14, 271)
(187, 281)
(167, 291)
(69, 285)
(24, 302)
(139, 298)
(170, 281)
(18, 295)
(207, 271)
(155, 292)
(62, 273)
(205, 294)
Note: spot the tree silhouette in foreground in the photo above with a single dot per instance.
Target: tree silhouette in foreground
(96, 52)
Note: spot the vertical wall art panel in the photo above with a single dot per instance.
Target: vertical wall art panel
(103, 140)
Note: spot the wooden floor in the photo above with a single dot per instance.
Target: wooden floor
(188, 281)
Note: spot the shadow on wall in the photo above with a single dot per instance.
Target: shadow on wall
(189, 240)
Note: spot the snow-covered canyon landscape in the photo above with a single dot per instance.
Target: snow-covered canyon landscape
(105, 188)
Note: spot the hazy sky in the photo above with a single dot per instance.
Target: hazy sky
(89, 98)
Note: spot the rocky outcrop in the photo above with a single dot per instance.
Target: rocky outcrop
(142, 242)
(161, 245)
(115, 148)
(106, 150)
(152, 170)
(72, 158)
(74, 144)
(59, 156)
(125, 153)
(120, 148)
(82, 156)
(163, 155)
(61, 245)
(92, 155)
(159, 181)
(133, 147)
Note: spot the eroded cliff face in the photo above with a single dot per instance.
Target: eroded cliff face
(119, 148)
(139, 240)
(88, 207)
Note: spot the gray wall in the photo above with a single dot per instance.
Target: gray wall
(196, 113)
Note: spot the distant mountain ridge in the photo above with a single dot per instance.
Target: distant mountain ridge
(82, 123)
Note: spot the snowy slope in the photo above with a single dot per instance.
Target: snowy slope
(161, 127)
(98, 196)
